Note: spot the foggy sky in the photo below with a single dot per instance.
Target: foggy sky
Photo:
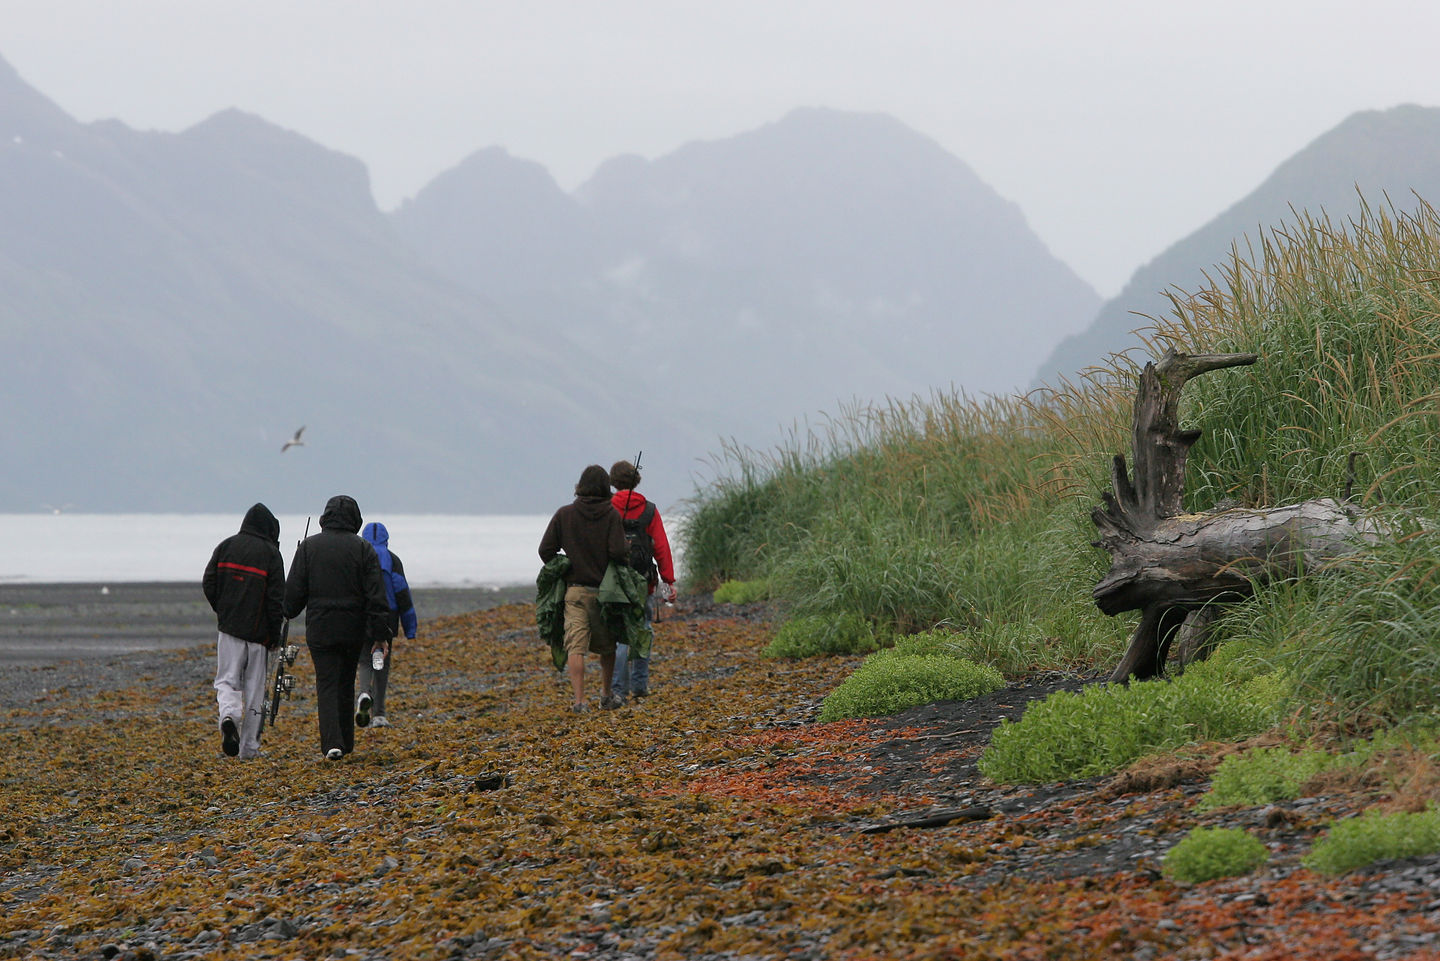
(1118, 127)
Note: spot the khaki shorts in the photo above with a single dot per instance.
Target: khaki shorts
(584, 625)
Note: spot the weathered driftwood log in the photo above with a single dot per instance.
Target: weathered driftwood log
(1170, 565)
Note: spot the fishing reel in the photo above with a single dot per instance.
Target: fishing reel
(285, 681)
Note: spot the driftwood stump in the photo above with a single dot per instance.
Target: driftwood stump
(1173, 566)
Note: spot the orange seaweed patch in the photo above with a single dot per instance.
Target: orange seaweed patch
(792, 780)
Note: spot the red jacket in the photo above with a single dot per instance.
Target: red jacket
(630, 504)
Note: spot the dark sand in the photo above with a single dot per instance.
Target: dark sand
(46, 623)
(74, 640)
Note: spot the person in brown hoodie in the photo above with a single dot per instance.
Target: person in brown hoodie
(589, 532)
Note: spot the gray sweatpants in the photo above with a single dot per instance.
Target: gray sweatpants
(240, 677)
(369, 679)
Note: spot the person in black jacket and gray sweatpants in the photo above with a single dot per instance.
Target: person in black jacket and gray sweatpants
(336, 577)
(245, 585)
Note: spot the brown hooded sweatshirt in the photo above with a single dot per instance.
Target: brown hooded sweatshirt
(591, 535)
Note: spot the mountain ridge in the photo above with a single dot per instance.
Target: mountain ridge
(175, 304)
(1377, 155)
(840, 239)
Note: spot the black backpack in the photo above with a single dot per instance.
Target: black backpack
(637, 538)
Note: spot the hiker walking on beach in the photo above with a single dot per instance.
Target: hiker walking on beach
(245, 585)
(372, 681)
(336, 577)
(589, 533)
(649, 553)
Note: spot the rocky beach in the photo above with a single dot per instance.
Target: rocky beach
(714, 820)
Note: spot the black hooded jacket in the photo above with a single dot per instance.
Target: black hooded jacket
(245, 580)
(335, 578)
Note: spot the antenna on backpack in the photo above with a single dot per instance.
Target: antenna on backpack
(638, 455)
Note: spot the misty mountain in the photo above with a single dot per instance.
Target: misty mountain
(1373, 154)
(174, 305)
(735, 286)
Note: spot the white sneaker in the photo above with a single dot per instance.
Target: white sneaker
(379, 720)
(334, 754)
(362, 710)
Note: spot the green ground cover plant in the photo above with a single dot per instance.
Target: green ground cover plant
(1106, 727)
(892, 680)
(1375, 836)
(1265, 775)
(937, 641)
(817, 634)
(1208, 853)
(742, 592)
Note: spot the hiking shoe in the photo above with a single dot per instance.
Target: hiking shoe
(580, 708)
(642, 692)
(334, 754)
(379, 721)
(612, 702)
(229, 737)
(362, 711)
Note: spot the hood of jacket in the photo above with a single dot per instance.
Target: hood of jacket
(260, 522)
(593, 508)
(629, 503)
(341, 514)
(379, 538)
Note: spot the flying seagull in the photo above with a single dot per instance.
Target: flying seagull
(294, 441)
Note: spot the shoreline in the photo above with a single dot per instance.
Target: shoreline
(44, 623)
(72, 641)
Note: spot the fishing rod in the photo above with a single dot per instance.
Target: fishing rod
(285, 654)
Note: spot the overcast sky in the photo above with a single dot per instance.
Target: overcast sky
(1118, 127)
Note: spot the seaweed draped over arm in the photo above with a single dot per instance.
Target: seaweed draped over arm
(550, 606)
(622, 601)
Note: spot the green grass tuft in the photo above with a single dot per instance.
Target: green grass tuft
(816, 635)
(742, 592)
(1208, 853)
(1372, 837)
(1264, 775)
(890, 681)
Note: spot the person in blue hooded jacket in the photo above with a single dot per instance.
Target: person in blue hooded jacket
(372, 682)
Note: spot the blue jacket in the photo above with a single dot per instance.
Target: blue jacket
(397, 589)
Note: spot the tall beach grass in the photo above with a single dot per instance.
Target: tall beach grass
(974, 513)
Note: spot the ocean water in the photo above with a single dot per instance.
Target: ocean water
(439, 550)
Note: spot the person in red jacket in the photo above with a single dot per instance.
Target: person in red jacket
(649, 554)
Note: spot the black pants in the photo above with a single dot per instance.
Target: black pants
(335, 695)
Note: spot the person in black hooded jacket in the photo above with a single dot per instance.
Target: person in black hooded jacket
(245, 585)
(335, 576)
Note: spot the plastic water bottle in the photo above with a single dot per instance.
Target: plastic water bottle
(377, 657)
